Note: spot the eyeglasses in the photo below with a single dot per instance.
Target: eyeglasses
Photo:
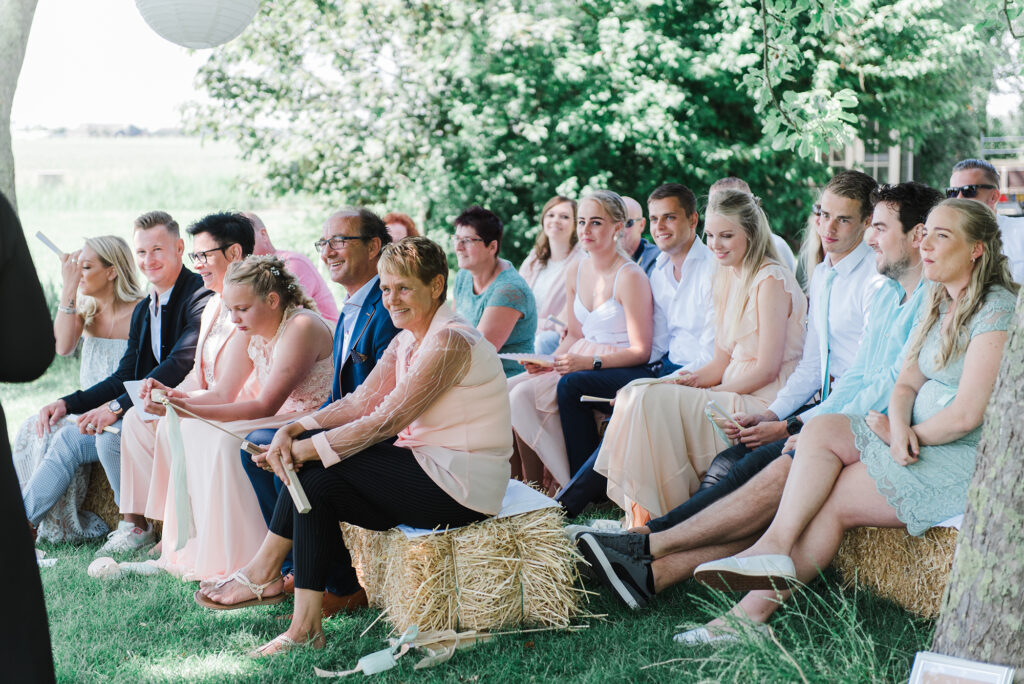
(465, 242)
(816, 210)
(631, 222)
(199, 258)
(968, 191)
(336, 242)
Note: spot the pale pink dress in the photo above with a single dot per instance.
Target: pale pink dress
(660, 442)
(228, 525)
(534, 400)
(145, 464)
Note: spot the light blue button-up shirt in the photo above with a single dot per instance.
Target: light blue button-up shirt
(868, 383)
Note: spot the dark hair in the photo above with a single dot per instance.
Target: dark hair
(991, 175)
(542, 247)
(403, 220)
(486, 224)
(227, 229)
(370, 226)
(152, 219)
(416, 256)
(684, 195)
(913, 201)
(855, 185)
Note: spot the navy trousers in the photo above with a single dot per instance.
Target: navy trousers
(341, 576)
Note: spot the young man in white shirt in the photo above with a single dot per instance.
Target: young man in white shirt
(978, 180)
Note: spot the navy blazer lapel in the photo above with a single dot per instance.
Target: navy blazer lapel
(366, 312)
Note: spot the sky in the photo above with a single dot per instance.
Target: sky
(96, 61)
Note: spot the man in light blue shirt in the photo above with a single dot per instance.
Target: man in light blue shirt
(727, 516)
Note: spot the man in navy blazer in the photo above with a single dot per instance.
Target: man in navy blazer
(350, 247)
(161, 344)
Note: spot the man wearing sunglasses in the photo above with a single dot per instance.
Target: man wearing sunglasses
(978, 180)
(632, 241)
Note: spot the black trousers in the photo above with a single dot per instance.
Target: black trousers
(378, 488)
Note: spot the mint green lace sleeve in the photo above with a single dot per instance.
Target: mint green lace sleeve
(996, 314)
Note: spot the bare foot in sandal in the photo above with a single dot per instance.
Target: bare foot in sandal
(282, 643)
(241, 590)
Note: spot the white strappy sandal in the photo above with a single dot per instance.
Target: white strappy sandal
(256, 589)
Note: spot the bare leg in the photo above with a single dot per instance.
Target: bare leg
(854, 502)
(734, 518)
(306, 617)
(826, 445)
(531, 467)
(264, 566)
(677, 567)
(137, 519)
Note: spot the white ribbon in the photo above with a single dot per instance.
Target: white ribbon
(179, 478)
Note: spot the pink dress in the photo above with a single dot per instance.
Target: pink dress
(145, 464)
(228, 525)
(659, 442)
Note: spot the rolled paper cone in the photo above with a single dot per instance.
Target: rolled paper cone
(157, 395)
(46, 241)
(250, 448)
(110, 428)
(298, 493)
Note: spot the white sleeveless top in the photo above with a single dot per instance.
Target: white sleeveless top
(606, 324)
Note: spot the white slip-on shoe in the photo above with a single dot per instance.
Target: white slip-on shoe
(126, 539)
(769, 571)
(701, 636)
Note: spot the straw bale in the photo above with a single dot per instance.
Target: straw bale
(501, 572)
(911, 571)
(99, 497)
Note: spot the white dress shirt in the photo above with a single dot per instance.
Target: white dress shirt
(156, 307)
(684, 319)
(1012, 230)
(853, 289)
(350, 314)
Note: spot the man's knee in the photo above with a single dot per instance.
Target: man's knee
(776, 472)
(72, 448)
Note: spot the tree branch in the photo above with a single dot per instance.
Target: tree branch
(764, 66)
(1009, 22)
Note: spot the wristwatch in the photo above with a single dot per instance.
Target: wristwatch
(597, 362)
(115, 407)
(793, 425)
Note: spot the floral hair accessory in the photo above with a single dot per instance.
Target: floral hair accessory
(275, 271)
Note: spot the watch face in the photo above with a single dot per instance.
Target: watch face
(114, 406)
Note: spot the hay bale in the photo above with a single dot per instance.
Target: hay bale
(911, 571)
(99, 497)
(501, 572)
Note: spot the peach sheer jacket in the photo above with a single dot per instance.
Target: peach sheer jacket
(445, 398)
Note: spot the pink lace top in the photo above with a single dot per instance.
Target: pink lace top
(312, 390)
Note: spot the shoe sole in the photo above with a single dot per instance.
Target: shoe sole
(728, 580)
(594, 555)
(211, 605)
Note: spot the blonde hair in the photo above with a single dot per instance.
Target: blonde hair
(742, 209)
(267, 273)
(991, 269)
(112, 251)
(415, 256)
(811, 252)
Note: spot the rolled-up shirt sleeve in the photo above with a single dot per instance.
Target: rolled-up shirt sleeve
(369, 416)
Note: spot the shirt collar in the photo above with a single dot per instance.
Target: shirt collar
(161, 299)
(851, 261)
(698, 250)
(359, 297)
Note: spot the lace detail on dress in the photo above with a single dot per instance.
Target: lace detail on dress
(65, 522)
(314, 389)
(220, 330)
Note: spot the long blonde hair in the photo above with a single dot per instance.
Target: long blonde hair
(267, 273)
(991, 269)
(742, 209)
(112, 251)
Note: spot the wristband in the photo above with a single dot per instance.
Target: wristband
(67, 309)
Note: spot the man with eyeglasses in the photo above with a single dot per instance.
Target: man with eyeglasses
(161, 345)
(978, 180)
(300, 266)
(632, 241)
(350, 247)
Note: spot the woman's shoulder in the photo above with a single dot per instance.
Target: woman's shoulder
(996, 312)
(775, 273)
(305, 324)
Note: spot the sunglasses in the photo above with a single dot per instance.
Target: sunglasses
(968, 191)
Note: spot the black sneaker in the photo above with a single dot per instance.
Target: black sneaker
(625, 572)
(629, 544)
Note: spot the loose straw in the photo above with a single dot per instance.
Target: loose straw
(294, 485)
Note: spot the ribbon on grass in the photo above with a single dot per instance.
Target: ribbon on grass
(179, 478)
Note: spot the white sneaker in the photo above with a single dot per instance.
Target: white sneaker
(126, 538)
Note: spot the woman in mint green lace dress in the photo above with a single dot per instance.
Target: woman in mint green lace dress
(913, 467)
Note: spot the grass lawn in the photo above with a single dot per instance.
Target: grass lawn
(147, 629)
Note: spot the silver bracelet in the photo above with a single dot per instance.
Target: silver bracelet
(67, 309)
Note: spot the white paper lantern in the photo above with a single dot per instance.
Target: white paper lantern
(198, 23)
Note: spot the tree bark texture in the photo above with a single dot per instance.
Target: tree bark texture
(15, 22)
(982, 615)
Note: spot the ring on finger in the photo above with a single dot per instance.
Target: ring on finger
(90, 427)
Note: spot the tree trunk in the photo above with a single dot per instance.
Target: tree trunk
(15, 22)
(982, 614)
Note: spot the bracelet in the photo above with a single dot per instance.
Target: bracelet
(67, 309)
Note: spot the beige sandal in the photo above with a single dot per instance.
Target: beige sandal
(283, 643)
(256, 589)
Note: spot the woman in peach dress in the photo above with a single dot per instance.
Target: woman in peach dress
(288, 349)
(660, 440)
